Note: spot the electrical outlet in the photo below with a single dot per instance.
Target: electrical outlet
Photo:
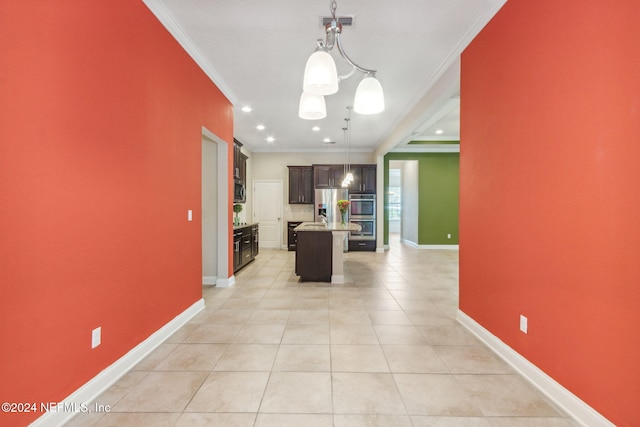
(189, 215)
(96, 337)
(449, 236)
(523, 324)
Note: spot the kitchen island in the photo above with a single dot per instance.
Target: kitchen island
(319, 251)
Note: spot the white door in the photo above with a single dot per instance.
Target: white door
(267, 211)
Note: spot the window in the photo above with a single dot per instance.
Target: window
(395, 205)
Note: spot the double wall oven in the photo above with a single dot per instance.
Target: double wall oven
(362, 211)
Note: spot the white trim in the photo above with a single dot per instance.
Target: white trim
(105, 379)
(448, 247)
(209, 280)
(382, 249)
(570, 403)
(409, 243)
(337, 278)
(428, 148)
(168, 21)
(226, 283)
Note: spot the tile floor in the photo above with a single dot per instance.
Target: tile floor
(382, 350)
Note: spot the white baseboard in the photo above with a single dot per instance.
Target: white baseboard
(569, 402)
(447, 247)
(381, 250)
(105, 379)
(226, 283)
(409, 243)
(209, 280)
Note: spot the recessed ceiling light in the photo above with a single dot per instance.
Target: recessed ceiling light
(260, 127)
(439, 132)
(326, 140)
(270, 139)
(246, 109)
(315, 128)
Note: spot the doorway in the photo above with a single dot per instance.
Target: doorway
(403, 203)
(267, 211)
(215, 215)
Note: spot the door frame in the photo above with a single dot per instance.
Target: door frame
(224, 278)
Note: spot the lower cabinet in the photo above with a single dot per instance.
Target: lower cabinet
(362, 245)
(292, 236)
(245, 245)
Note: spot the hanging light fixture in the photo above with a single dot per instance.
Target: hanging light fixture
(312, 107)
(321, 77)
(348, 176)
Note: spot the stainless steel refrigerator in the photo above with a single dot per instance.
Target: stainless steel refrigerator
(326, 204)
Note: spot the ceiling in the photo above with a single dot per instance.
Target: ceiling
(255, 51)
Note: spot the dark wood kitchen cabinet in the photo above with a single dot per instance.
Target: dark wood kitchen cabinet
(328, 176)
(300, 185)
(245, 245)
(364, 179)
(239, 171)
(292, 235)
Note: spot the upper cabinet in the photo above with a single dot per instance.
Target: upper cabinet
(364, 179)
(239, 172)
(328, 176)
(300, 185)
(331, 176)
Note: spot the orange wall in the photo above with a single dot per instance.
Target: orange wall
(549, 199)
(100, 159)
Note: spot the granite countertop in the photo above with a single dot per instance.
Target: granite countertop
(333, 226)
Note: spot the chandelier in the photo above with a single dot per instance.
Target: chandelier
(321, 77)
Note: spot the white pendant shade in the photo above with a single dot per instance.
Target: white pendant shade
(349, 177)
(312, 107)
(320, 74)
(369, 96)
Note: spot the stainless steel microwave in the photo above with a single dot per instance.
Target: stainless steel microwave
(239, 192)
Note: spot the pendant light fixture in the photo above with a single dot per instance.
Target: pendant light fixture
(321, 76)
(348, 176)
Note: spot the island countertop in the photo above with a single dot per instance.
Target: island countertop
(332, 226)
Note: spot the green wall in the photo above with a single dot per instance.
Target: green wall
(438, 183)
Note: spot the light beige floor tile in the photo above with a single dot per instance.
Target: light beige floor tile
(399, 334)
(353, 334)
(309, 317)
(249, 293)
(303, 303)
(84, 419)
(429, 317)
(472, 360)
(161, 392)
(259, 334)
(230, 392)
(372, 420)
(138, 419)
(358, 358)
(366, 393)
(448, 334)
(349, 317)
(381, 304)
(215, 419)
(181, 334)
(422, 421)
(192, 357)
(306, 334)
(303, 358)
(298, 392)
(229, 316)
(247, 357)
(270, 316)
(294, 420)
(389, 317)
(346, 303)
(416, 359)
(213, 333)
(276, 304)
(155, 357)
(435, 394)
(505, 395)
(531, 422)
(117, 391)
